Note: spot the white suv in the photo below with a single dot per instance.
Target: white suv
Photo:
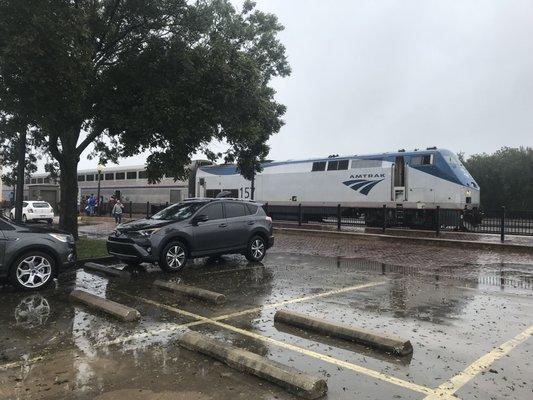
(35, 211)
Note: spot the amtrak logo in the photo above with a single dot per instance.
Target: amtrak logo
(363, 186)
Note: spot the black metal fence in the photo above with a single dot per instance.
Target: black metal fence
(499, 221)
(502, 221)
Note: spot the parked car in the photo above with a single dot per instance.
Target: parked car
(35, 211)
(32, 256)
(194, 228)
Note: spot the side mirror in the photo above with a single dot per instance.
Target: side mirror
(199, 218)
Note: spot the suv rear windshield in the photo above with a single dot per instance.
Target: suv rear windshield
(178, 212)
(41, 205)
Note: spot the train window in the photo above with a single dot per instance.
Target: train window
(234, 210)
(143, 175)
(343, 164)
(366, 164)
(421, 160)
(81, 178)
(233, 192)
(120, 176)
(319, 166)
(213, 211)
(46, 180)
(333, 165)
(33, 180)
(89, 178)
(40, 180)
(212, 193)
(27, 181)
(110, 176)
(131, 175)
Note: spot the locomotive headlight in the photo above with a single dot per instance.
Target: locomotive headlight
(468, 193)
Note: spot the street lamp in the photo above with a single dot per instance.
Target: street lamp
(99, 168)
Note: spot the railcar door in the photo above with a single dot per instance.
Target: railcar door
(400, 179)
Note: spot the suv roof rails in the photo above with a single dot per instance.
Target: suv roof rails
(220, 198)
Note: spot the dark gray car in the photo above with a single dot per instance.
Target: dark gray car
(32, 256)
(194, 228)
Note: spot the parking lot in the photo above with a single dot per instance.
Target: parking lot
(470, 325)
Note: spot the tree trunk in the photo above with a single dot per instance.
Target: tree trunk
(253, 186)
(19, 196)
(68, 203)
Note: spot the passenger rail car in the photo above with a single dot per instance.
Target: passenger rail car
(410, 184)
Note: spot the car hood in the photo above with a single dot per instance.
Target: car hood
(38, 229)
(140, 224)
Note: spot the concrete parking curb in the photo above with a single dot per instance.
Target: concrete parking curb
(291, 379)
(106, 270)
(81, 262)
(192, 291)
(115, 309)
(408, 239)
(376, 340)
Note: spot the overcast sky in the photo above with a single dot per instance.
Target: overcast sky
(375, 76)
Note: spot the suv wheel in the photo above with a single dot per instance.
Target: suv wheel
(33, 271)
(256, 249)
(173, 257)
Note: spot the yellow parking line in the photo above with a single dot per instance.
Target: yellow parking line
(16, 364)
(154, 332)
(340, 363)
(448, 388)
(228, 316)
(299, 300)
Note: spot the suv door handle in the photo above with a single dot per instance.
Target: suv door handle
(251, 222)
(222, 225)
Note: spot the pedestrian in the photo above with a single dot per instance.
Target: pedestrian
(117, 211)
(111, 203)
(91, 203)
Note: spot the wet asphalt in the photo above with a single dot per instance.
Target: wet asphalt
(51, 347)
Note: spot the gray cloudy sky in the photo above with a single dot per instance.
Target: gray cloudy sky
(373, 76)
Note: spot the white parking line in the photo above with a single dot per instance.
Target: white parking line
(448, 388)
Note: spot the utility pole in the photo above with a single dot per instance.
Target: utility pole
(19, 194)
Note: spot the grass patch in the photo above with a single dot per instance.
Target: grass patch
(91, 248)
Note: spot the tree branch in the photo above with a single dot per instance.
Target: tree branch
(88, 140)
(54, 149)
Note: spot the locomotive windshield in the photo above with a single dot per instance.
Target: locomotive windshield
(459, 169)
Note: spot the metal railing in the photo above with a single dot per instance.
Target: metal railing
(499, 222)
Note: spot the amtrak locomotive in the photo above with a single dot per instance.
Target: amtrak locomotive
(410, 184)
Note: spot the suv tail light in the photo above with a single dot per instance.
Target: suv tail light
(30, 210)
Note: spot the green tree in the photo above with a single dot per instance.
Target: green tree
(505, 177)
(12, 130)
(164, 76)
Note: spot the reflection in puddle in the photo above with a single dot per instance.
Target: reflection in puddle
(504, 275)
(32, 311)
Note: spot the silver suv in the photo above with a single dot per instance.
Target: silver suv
(194, 228)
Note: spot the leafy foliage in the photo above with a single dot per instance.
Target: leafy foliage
(10, 129)
(505, 177)
(126, 76)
